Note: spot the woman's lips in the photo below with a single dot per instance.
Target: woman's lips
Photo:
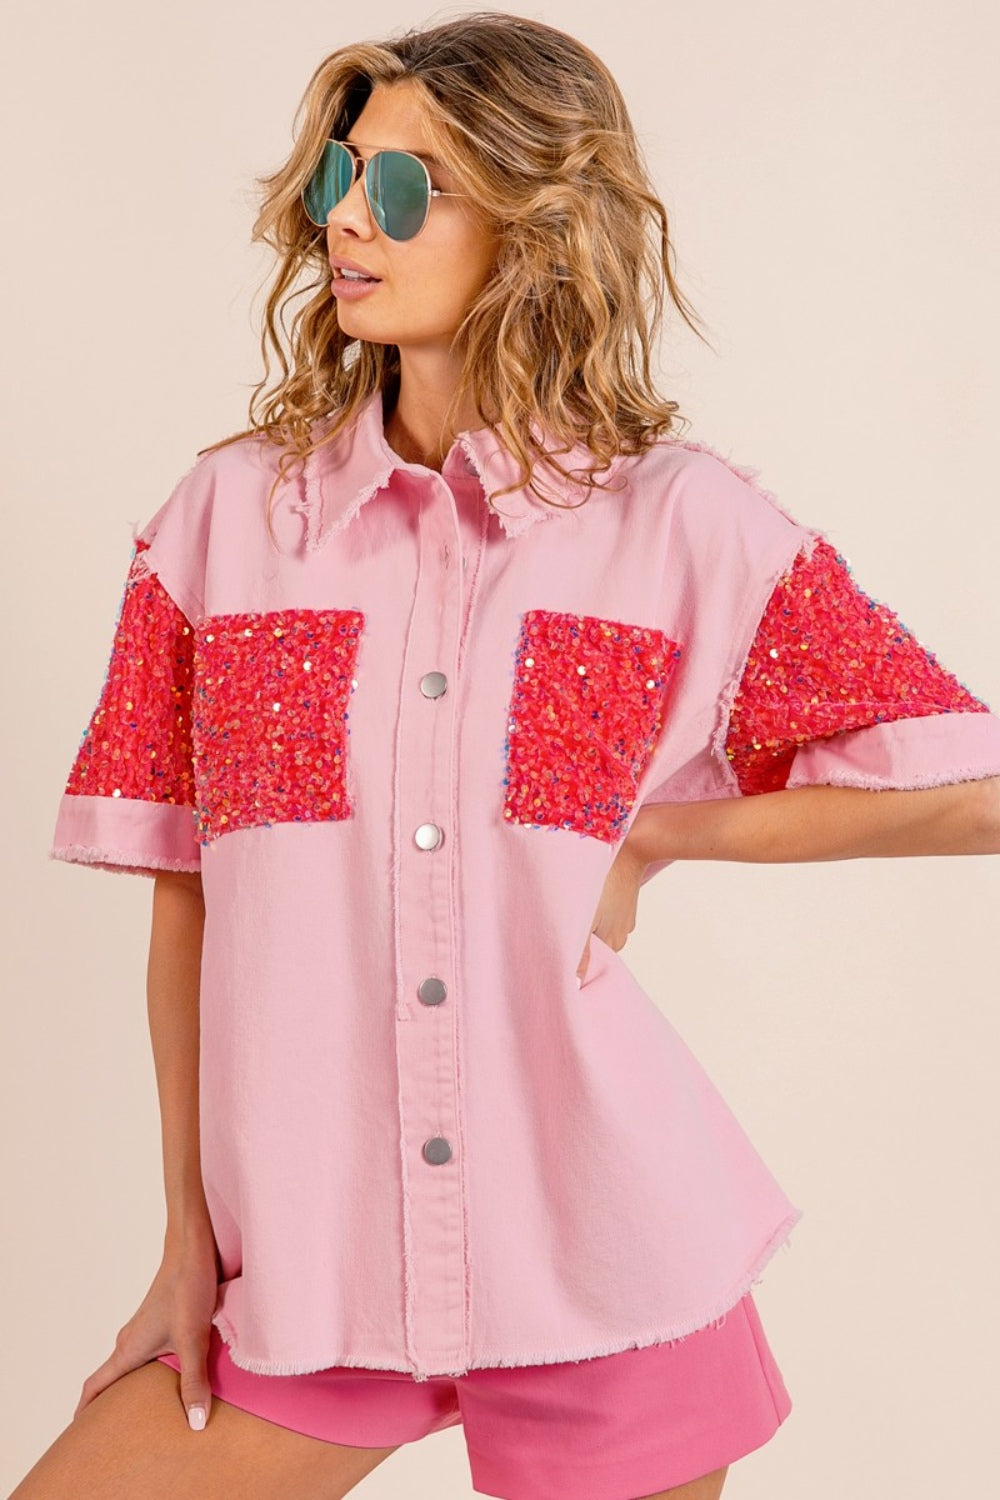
(350, 288)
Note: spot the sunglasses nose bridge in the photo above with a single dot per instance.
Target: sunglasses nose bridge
(359, 174)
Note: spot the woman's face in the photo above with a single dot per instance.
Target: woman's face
(425, 284)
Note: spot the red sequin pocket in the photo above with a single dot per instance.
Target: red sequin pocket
(269, 717)
(585, 714)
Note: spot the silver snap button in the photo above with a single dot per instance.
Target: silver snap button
(433, 684)
(432, 991)
(437, 1150)
(428, 836)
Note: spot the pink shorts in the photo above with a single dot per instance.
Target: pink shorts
(608, 1428)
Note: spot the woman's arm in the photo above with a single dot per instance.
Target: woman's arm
(823, 823)
(176, 1312)
(173, 982)
(792, 825)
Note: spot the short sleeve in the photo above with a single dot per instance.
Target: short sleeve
(129, 801)
(791, 675)
(836, 690)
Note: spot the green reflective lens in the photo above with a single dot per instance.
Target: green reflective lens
(330, 182)
(396, 185)
(397, 191)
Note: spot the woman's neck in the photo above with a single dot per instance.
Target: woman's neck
(414, 429)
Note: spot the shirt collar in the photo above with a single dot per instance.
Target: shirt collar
(340, 476)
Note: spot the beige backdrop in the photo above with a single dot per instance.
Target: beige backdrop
(831, 174)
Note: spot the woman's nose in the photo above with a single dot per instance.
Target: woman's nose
(352, 209)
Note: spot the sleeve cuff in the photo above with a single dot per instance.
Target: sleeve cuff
(126, 834)
(904, 755)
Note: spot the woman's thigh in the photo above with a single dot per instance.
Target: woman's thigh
(132, 1442)
(708, 1487)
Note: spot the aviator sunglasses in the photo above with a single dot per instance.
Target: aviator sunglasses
(397, 187)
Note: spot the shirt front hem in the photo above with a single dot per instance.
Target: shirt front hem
(680, 1328)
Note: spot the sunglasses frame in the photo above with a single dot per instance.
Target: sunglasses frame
(358, 161)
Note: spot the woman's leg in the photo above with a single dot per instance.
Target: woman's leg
(132, 1442)
(708, 1487)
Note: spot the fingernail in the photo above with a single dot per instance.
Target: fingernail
(196, 1417)
(579, 981)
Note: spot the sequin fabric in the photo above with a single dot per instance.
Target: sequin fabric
(269, 717)
(828, 658)
(138, 742)
(585, 712)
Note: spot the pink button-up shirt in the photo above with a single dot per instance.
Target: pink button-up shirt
(402, 742)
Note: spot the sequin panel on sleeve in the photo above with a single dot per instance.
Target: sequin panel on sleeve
(270, 719)
(138, 741)
(827, 658)
(585, 713)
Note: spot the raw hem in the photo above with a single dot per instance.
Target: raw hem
(119, 862)
(675, 1331)
(903, 782)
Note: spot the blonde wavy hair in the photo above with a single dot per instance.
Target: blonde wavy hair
(560, 338)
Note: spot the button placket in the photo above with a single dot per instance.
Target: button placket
(427, 1004)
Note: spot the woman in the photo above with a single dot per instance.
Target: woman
(399, 758)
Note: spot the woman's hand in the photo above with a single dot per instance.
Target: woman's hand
(616, 910)
(174, 1317)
